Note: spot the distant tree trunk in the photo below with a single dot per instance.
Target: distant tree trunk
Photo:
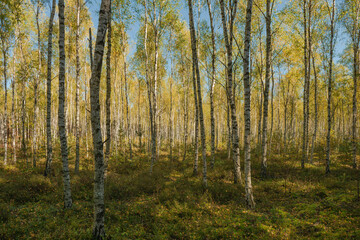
(228, 35)
(196, 114)
(155, 90)
(4, 50)
(91, 49)
(198, 88)
(286, 93)
(127, 111)
(186, 87)
(171, 105)
(196, 126)
(108, 92)
(229, 131)
(196, 118)
(159, 122)
(61, 113)
(332, 35)
(354, 134)
(313, 141)
(139, 130)
(86, 112)
(13, 113)
(292, 111)
(36, 82)
(304, 146)
(307, 6)
(356, 65)
(247, 88)
(149, 91)
(152, 88)
(48, 97)
(260, 106)
(86, 86)
(77, 90)
(99, 206)
(272, 106)
(264, 140)
(23, 113)
(309, 50)
(212, 118)
(171, 121)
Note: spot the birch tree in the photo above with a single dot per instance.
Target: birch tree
(77, 88)
(48, 93)
(108, 90)
(331, 12)
(196, 74)
(264, 140)
(61, 112)
(351, 21)
(247, 91)
(36, 83)
(99, 205)
(228, 36)
(212, 84)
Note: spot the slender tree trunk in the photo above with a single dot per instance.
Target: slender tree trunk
(91, 49)
(228, 35)
(86, 85)
(264, 140)
(286, 103)
(86, 112)
(196, 121)
(23, 113)
(155, 90)
(291, 125)
(108, 92)
(212, 118)
(247, 88)
(171, 121)
(99, 205)
(356, 66)
(272, 106)
(5, 102)
(198, 88)
(61, 113)
(260, 107)
(13, 113)
(332, 35)
(229, 131)
(313, 141)
(185, 116)
(171, 104)
(139, 131)
(127, 112)
(48, 97)
(309, 49)
(196, 126)
(149, 91)
(77, 90)
(304, 137)
(36, 82)
(152, 89)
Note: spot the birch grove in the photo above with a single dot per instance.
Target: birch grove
(173, 107)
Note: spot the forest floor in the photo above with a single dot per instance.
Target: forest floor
(172, 204)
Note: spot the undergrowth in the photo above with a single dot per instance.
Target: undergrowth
(171, 203)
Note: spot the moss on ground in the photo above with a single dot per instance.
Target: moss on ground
(172, 204)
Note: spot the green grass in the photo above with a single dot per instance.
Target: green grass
(172, 203)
